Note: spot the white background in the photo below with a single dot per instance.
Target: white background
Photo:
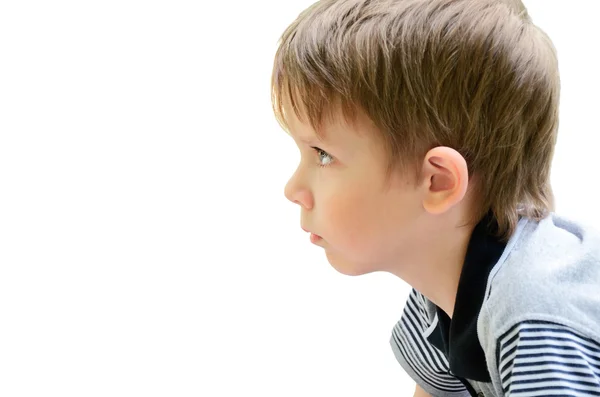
(146, 248)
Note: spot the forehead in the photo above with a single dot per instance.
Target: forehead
(335, 128)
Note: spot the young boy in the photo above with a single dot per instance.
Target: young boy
(427, 130)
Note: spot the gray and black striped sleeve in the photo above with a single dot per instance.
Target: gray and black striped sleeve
(425, 364)
(538, 358)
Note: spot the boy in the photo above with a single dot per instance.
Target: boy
(426, 130)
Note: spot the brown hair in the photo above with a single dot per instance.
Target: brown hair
(474, 75)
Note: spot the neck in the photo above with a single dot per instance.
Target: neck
(435, 269)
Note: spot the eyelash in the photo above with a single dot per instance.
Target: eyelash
(322, 152)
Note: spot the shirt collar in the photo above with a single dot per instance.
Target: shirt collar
(457, 337)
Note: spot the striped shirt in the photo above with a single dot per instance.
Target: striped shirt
(541, 358)
(526, 320)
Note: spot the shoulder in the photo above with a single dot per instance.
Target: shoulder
(542, 303)
(550, 272)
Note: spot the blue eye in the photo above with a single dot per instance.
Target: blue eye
(324, 158)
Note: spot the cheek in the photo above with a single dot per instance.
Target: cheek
(350, 219)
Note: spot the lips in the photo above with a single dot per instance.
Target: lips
(313, 236)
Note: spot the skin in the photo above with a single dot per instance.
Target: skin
(420, 392)
(414, 231)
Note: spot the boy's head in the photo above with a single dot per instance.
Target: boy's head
(423, 112)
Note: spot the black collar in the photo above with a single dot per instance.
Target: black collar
(457, 337)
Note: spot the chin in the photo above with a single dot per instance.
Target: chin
(346, 267)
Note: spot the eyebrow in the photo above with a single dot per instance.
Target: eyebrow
(305, 139)
(310, 139)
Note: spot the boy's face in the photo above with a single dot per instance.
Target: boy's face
(340, 187)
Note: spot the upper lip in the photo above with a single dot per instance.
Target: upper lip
(308, 231)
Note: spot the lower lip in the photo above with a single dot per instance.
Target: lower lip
(314, 238)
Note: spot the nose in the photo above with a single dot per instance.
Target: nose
(297, 191)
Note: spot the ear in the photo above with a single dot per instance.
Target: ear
(446, 178)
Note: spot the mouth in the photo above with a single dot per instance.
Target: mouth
(315, 238)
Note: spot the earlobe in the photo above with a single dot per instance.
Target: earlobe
(446, 179)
